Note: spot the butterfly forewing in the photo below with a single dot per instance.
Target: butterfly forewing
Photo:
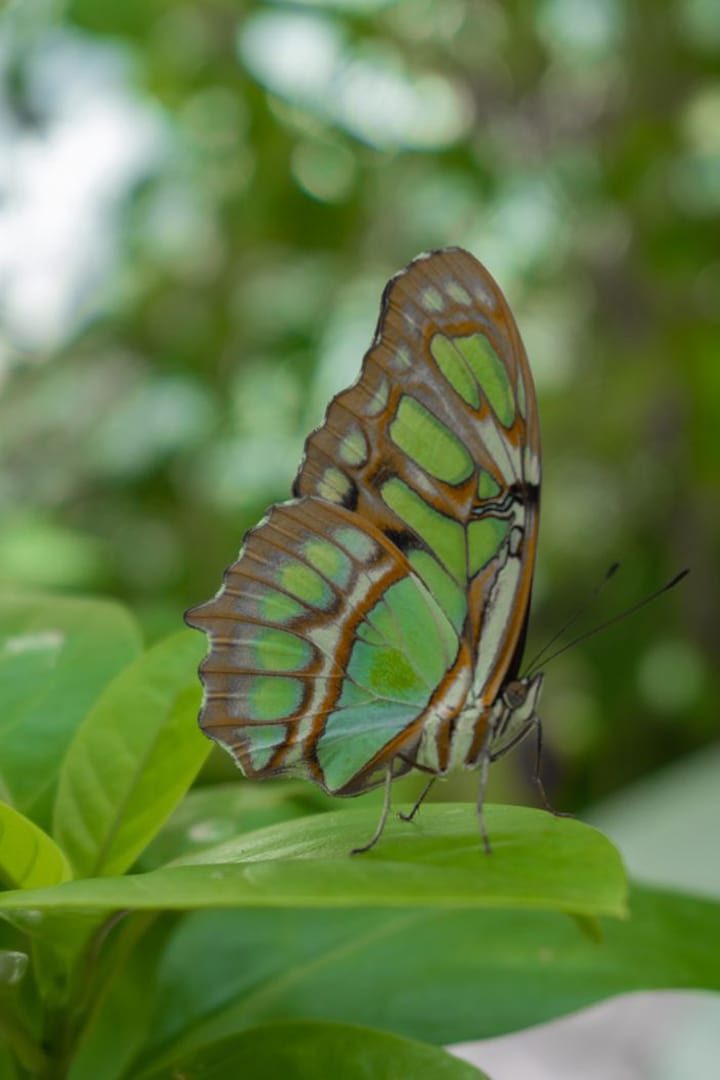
(360, 617)
(438, 444)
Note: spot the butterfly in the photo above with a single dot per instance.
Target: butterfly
(375, 623)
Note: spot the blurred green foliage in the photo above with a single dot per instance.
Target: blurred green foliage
(201, 205)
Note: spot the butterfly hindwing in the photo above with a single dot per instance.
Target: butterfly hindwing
(325, 648)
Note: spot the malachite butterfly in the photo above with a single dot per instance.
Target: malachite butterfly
(375, 622)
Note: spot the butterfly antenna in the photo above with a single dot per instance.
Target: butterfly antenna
(621, 615)
(587, 603)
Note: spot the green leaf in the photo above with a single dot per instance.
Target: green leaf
(29, 858)
(441, 976)
(315, 1051)
(18, 1047)
(538, 861)
(59, 949)
(218, 812)
(132, 759)
(56, 655)
(119, 1012)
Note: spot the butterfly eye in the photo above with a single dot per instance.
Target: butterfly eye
(514, 694)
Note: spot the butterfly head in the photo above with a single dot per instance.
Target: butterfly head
(518, 693)
(518, 714)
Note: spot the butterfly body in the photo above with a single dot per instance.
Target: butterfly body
(375, 623)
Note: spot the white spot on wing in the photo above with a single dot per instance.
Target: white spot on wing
(402, 357)
(334, 485)
(432, 299)
(354, 448)
(516, 539)
(377, 398)
(531, 466)
(481, 293)
(458, 292)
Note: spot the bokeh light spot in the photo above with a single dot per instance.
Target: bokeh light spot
(670, 676)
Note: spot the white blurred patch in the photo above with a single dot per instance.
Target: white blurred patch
(365, 90)
(633, 1037)
(68, 159)
(42, 641)
(575, 27)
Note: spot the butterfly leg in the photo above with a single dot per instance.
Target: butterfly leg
(419, 801)
(536, 778)
(383, 815)
(484, 770)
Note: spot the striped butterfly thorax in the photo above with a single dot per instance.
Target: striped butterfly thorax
(375, 622)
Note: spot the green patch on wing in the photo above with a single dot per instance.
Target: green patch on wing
(451, 598)
(488, 487)
(273, 697)
(353, 736)
(452, 364)
(329, 560)
(390, 674)
(263, 740)
(304, 583)
(277, 650)
(473, 368)
(491, 374)
(442, 535)
(278, 607)
(429, 443)
(414, 645)
(484, 540)
(401, 653)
